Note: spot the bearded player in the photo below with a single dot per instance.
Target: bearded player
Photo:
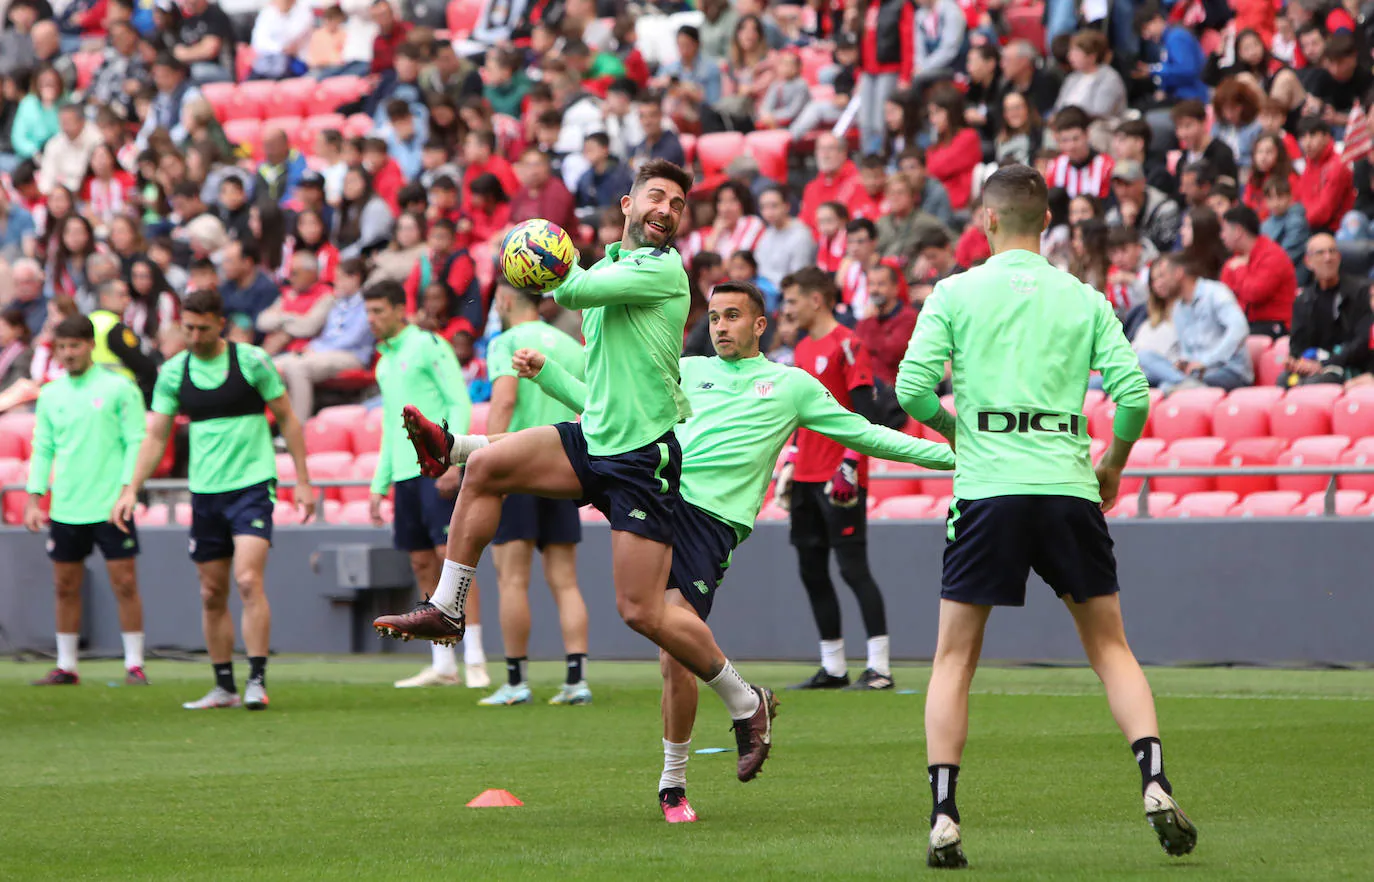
(623, 457)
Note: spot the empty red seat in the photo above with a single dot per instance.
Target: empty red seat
(1092, 398)
(478, 426)
(1361, 453)
(367, 432)
(221, 97)
(716, 150)
(246, 134)
(1347, 502)
(1189, 453)
(1244, 413)
(13, 446)
(326, 437)
(689, 147)
(813, 61)
(1257, 345)
(263, 93)
(286, 514)
(1269, 504)
(1027, 23)
(181, 513)
(18, 428)
(1270, 366)
(1143, 456)
(886, 488)
(362, 469)
(906, 508)
(1212, 504)
(1100, 419)
(1250, 452)
(1316, 450)
(1186, 414)
(462, 16)
(329, 466)
(358, 125)
(356, 512)
(152, 516)
(769, 149)
(342, 416)
(1305, 410)
(291, 97)
(1128, 505)
(1353, 413)
(590, 514)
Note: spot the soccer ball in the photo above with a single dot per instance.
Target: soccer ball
(537, 256)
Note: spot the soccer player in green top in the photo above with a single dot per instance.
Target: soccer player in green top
(744, 409)
(1023, 338)
(527, 522)
(87, 432)
(623, 457)
(225, 389)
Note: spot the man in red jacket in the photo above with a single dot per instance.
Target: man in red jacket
(479, 153)
(869, 199)
(1260, 273)
(542, 193)
(1326, 188)
(836, 180)
(887, 330)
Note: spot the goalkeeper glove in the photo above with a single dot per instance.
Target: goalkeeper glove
(843, 488)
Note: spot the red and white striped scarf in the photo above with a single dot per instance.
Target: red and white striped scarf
(830, 252)
(854, 288)
(1094, 177)
(744, 237)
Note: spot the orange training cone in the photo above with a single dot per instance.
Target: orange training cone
(494, 799)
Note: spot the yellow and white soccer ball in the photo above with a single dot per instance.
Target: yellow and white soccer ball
(537, 255)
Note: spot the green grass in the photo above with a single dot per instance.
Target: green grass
(348, 778)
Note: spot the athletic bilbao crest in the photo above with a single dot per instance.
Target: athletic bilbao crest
(763, 389)
(821, 363)
(97, 402)
(1022, 283)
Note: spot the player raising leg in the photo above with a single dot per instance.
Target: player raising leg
(1025, 493)
(623, 457)
(744, 408)
(87, 431)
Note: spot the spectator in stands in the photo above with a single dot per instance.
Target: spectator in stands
(1094, 86)
(246, 290)
(698, 72)
(786, 244)
(1325, 188)
(934, 262)
(505, 83)
(17, 230)
(1150, 325)
(621, 119)
(1143, 207)
(1128, 276)
(606, 179)
(29, 297)
(391, 34)
(67, 262)
(1195, 183)
(1340, 83)
(1131, 140)
(1021, 73)
(735, 228)
(887, 329)
(405, 140)
(905, 224)
(156, 308)
(717, 27)
(206, 43)
(819, 114)
(1224, 197)
(870, 197)
(480, 157)
(1020, 134)
(1270, 161)
(1079, 168)
(36, 119)
(325, 52)
(742, 266)
(541, 193)
(281, 38)
(188, 208)
(747, 74)
(299, 313)
(983, 99)
(931, 195)
(401, 84)
(13, 89)
(47, 51)
(901, 125)
(16, 348)
(107, 191)
(1326, 314)
(1199, 238)
(489, 211)
(1259, 273)
(1083, 207)
(1194, 136)
(1236, 108)
(387, 180)
(121, 63)
(449, 77)
(16, 41)
(658, 143)
(160, 253)
(887, 55)
(1287, 221)
(1211, 332)
(398, 258)
(175, 93)
(1177, 74)
(345, 343)
(232, 208)
(955, 150)
(938, 30)
(786, 96)
(861, 255)
(831, 244)
(1090, 262)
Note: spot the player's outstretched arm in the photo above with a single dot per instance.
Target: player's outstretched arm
(639, 280)
(818, 411)
(560, 385)
(923, 366)
(149, 455)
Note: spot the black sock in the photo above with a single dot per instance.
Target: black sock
(448, 440)
(515, 670)
(943, 780)
(224, 677)
(257, 668)
(1150, 757)
(575, 662)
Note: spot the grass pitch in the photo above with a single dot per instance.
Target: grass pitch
(347, 778)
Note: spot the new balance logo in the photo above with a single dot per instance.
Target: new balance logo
(258, 523)
(707, 386)
(638, 515)
(128, 543)
(701, 586)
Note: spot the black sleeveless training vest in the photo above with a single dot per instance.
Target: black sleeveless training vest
(236, 397)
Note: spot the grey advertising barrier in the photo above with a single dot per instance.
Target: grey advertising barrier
(1263, 591)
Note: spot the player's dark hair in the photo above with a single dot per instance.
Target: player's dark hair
(813, 280)
(527, 296)
(1244, 217)
(748, 290)
(1019, 196)
(662, 168)
(392, 292)
(207, 302)
(74, 327)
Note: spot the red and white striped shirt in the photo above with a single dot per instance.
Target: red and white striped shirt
(107, 199)
(1093, 177)
(854, 288)
(744, 237)
(830, 251)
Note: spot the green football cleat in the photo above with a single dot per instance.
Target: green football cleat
(573, 693)
(508, 695)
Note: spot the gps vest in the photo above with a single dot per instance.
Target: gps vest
(104, 322)
(235, 397)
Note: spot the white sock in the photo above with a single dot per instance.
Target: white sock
(454, 583)
(674, 765)
(832, 657)
(443, 659)
(67, 651)
(465, 446)
(473, 653)
(740, 698)
(133, 649)
(878, 657)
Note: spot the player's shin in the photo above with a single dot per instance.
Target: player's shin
(679, 715)
(474, 524)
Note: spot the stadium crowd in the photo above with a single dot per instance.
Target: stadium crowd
(1209, 165)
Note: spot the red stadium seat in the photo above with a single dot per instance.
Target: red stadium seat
(367, 433)
(1353, 413)
(1270, 504)
(247, 134)
(1189, 453)
(333, 93)
(328, 511)
(1366, 510)
(329, 466)
(356, 513)
(1186, 414)
(910, 508)
(243, 61)
(362, 469)
(1315, 450)
(813, 61)
(1244, 413)
(181, 514)
(715, 152)
(1092, 398)
(769, 149)
(462, 16)
(19, 427)
(1256, 345)
(13, 446)
(358, 125)
(262, 93)
(220, 96)
(342, 416)
(1250, 452)
(1213, 504)
(291, 97)
(1128, 505)
(1347, 501)
(1360, 453)
(772, 512)
(689, 147)
(1143, 456)
(152, 516)
(1270, 365)
(590, 514)
(313, 125)
(286, 514)
(888, 488)
(325, 437)
(1100, 419)
(286, 473)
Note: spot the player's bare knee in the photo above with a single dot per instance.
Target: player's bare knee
(484, 467)
(68, 591)
(214, 598)
(642, 618)
(125, 588)
(249, 582)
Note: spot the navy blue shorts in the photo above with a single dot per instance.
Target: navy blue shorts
(73, 543)
(636, 490)
(994, 543)
(216, 518)
(539, 520)
(819, 523)
(422, 516)
(702, 547)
